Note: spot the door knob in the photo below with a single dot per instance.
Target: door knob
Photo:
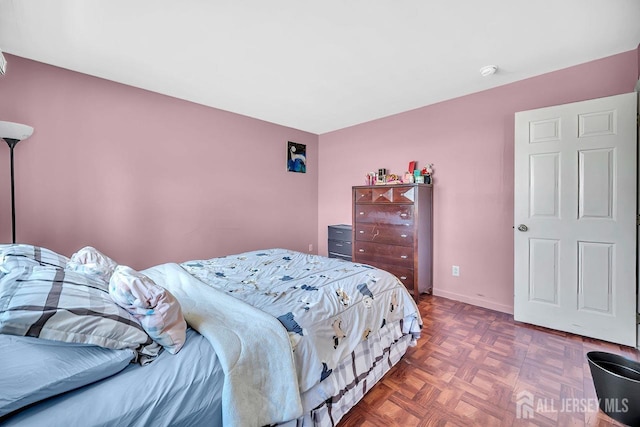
(522, 227)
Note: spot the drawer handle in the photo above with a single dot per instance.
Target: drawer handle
(403, 235)
(403, 277)
(360, 250)
(338, 232)
(339, 245)
(361, 213)
(403, 215)
(403, 256)
(361, 231)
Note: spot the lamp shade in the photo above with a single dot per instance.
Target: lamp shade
(10, 130)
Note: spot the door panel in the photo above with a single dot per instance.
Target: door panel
(595, 270)
(543, 280)
(596, 174)
(545, 179)
(576, 194)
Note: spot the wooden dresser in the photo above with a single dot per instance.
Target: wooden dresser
(392, 230)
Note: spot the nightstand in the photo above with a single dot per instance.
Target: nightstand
(340, 241)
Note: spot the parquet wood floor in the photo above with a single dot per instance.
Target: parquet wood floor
(471, 364)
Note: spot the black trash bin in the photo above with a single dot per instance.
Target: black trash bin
(617, 383)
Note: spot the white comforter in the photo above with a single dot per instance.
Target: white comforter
(261, 385)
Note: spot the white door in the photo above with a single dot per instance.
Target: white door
(575, 218)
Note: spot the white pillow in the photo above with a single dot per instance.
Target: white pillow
(156, 308)
(93, 263)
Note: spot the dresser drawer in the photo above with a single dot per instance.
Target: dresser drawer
(362, 194)
(368, 252)
(385, 194)
(340, 232)
(387, 214)
(340, 247)
(389, 234)
(404, 194)
(405, 274)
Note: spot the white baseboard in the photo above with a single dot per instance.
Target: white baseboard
(474, 301)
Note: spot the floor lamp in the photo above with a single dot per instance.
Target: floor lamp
(13, 133)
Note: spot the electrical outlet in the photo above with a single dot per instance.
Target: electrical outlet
(310, 247)
(455, 270)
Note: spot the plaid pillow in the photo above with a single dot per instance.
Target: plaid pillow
(60, 305)
(19, 255)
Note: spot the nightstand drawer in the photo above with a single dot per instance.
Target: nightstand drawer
(340, 247)
(340, 256)
(340, 232)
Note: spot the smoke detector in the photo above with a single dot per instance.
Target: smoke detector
(488, 70)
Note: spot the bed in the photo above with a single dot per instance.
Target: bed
(271, 337)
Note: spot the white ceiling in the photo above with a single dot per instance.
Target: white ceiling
(316, 65)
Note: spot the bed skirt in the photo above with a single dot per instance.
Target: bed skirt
(353, 378)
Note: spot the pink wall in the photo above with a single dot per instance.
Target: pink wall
(470, 141)
(148, 178)
(144, 177)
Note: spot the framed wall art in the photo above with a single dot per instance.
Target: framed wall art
(296, 157)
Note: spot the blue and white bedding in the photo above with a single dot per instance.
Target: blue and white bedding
(275, 328)
(327, 305)
(260, 386)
